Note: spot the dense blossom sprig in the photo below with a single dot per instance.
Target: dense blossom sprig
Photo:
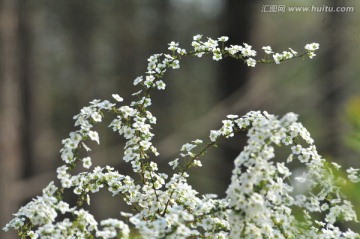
(260, 199)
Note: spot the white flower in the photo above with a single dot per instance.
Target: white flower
(247, 51)
(233, 49)
(145, 144)
(86, 162)
(62, 171)
(127, 111)
(336, 165)
(96, 117)
(353, 174)
(223, 39)
(66, 182)
(197, 163)
(277, 58)
(160, 85)
(117, 98)
(251, 62)
(311, 54)
(105, 105)
(312, 46)
(174, 163)
(296, 149)
(283, 169)
(94, 136)
(138, 80)
(188, 147)
(149, 79)
(32, 235)
(175, 64)
(197, 37)
(126, 214)
(181, 51)
(217, 55)
(173, 46)
(197, 141)
(214, 134)
(293, 52)
(211, 45)
(232, 116)
(267, 49)
(287, 55)
(63, 207)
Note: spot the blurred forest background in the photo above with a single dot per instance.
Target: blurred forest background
(56, 56)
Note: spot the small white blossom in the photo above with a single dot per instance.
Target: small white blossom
(293, 52)
(296, 149)
(214, 134)
(232, 116)
(197, 37)
(267, 49)
(138, 80)
(117, 98)
(312, 46)
(173, 46)
(277, 58)
(94, 136)
(234, 49)
(174, 163)
(160, 85)
(353, 174)
(223, 39)
(251, 62)
(287, 55)
(247, 51)
(87, 162)
(96, 117)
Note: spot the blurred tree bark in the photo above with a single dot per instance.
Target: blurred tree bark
(79, 19)
(331, 76)
(238, 17)
(16, 141)
(10, 115)
(26, 89)
(126, 57)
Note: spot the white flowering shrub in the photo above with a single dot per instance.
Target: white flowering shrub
(261, 200)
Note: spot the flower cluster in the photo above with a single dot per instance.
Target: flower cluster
(311, 48)
(261, 198)
(261, 195)
(244, 52)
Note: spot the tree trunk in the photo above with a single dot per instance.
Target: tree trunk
(10, 115)
(26, 88)
(237, 19)
(332, 76)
